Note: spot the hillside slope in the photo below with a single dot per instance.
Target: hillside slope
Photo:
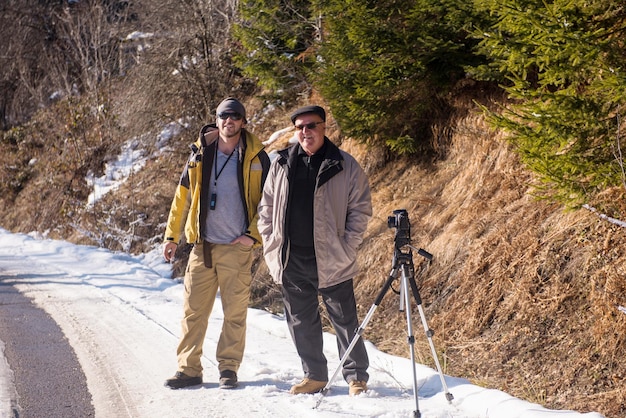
(522, 294)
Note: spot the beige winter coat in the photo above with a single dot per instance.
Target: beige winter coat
(342, 207)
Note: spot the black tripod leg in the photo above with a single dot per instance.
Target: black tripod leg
(359, 332)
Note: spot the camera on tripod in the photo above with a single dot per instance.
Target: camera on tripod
(402, 267)
(400, 221)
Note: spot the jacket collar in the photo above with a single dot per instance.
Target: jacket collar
(331, 165)
(332, 153)
(250, 145)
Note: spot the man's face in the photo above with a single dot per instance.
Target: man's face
(310, 132)
(229, 124)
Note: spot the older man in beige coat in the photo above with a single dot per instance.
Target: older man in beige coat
(313, 214)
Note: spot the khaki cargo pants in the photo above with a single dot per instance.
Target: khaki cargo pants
(230, 273)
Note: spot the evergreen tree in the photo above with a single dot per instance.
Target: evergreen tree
(383, 66)
(279, 39)
(564, 63)
(387, 65)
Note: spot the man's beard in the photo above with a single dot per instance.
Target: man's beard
(227, 133)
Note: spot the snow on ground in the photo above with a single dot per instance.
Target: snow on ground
(130, 160)
(121, 313)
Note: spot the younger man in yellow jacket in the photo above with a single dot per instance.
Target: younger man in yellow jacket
(216, 206)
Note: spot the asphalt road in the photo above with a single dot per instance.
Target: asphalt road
(48, 378)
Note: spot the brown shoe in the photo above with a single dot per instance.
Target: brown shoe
(307, 386)
(356, 387)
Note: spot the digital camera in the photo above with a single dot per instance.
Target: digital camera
(400, 221)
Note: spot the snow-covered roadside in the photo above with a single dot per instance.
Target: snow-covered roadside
(121, 314)
(7, 389)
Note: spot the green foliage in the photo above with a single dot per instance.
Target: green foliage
(387, 63)
(381, 65)
(279, 40)
(385, 68)
(563, 62)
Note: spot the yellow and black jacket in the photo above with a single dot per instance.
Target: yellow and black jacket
(190, 204)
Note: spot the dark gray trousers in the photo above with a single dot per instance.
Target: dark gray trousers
(300, 296)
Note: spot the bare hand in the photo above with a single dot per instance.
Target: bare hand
(243, 240)
(169, 250)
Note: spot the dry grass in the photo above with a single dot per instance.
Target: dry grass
(522, 294)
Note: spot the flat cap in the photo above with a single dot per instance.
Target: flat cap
(309, 109)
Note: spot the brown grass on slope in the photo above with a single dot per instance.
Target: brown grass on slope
(522, 294)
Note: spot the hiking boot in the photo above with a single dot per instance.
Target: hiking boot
(307, 386)
(228, 379)
(181, 380)
(356, 387)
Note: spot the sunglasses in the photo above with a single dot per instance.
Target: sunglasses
(309, 126)
(232, 116)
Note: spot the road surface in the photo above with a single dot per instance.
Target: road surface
(47, 380)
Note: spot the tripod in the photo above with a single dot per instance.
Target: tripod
(403, 264)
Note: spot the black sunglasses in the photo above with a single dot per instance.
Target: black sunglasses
(309, 126)
(226, 115)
